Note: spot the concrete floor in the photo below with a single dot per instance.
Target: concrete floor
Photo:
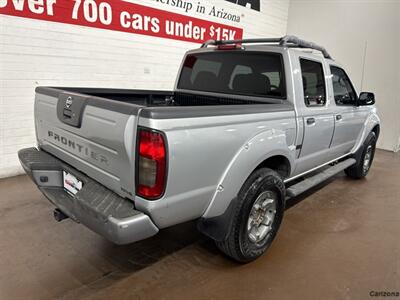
(340, 241)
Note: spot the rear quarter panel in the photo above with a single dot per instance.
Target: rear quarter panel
(207, 152)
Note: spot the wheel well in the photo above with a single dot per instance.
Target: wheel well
(377, 130)
(277, 163)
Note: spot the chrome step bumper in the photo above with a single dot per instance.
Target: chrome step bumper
(95, 206)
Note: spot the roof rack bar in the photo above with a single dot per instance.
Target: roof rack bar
(286, 41)
(290, 40)
(246, 41)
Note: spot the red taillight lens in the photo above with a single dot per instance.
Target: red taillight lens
(152, 164)
(230, 47)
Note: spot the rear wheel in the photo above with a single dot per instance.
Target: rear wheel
(364, 161)
(257, 216)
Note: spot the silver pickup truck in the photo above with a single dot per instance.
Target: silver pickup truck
(250, 124)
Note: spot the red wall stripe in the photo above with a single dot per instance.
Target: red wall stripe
(118, 16)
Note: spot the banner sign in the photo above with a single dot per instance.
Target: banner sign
(122, 16)
(254, 4)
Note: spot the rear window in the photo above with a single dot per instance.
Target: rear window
(238, 73)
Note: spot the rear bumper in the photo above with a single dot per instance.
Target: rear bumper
(95, 206)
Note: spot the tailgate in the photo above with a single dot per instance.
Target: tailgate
(97, 136)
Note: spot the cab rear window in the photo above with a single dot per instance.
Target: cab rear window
(258, 74)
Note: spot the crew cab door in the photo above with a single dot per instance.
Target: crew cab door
(349, 119)
(315, 112)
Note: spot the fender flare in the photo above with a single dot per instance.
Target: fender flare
(216, 220)
(370, 123)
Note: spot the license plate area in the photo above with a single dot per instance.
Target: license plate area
(72, 185)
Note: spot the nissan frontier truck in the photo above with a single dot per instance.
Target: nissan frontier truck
(249, 124)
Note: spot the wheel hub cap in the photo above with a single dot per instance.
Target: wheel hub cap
(367, 159)
(262, 216)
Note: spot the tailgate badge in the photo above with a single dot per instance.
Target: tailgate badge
(68, 102)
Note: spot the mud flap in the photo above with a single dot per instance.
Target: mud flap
(218, 228)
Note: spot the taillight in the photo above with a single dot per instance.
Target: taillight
(152, 164)
(229, 46)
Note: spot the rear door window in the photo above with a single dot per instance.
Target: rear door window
(313, 79)
(258, 74)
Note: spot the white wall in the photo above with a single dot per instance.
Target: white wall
(35, 53)
(347, 29)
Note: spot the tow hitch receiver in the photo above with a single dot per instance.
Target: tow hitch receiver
(59, 215)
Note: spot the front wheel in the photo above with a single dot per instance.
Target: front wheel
(257, 216)
(364, 161)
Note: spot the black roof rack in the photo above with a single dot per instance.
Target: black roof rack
(286, 41)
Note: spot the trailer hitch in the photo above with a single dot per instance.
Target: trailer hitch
(59, 215)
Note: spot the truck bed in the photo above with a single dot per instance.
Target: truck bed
(94, 130)
(151, 98)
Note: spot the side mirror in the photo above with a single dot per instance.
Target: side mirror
(366, 98)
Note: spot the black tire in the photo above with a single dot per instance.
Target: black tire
(238, 245)
(357, 171)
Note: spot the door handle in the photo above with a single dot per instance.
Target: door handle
(310, 121)
(339, 117)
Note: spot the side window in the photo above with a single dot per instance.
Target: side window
(342, 88)
(313, 83)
